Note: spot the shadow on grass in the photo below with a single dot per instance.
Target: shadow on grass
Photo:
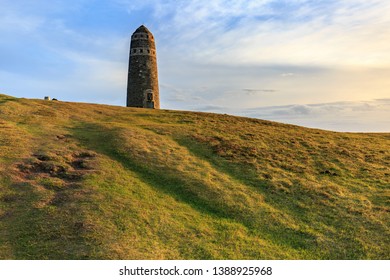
(278, 233)
(4, 100)
(99, 139)
(349, 247)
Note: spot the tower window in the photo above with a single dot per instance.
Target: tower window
(141, 50)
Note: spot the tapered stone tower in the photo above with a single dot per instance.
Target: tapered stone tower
(142, 83)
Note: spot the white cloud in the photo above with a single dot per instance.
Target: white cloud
(304, 32)
(363, 116)
(346, 116)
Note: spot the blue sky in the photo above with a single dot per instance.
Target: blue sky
(323, 64)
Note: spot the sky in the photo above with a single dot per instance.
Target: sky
(321, 64)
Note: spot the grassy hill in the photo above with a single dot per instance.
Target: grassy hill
(84, 181)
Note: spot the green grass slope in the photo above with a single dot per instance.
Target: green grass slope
(84, 181)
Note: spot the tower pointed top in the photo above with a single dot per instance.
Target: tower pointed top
(142, 29)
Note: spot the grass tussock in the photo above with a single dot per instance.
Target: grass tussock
(83, 181)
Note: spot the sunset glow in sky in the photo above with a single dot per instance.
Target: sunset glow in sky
(323, 64)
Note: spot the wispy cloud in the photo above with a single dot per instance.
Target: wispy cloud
(346, 116)
(303, 32)
(372, 115)
(250, 91)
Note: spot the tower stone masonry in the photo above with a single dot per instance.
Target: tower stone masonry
(142, 82)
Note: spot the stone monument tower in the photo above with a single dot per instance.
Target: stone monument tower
(142, 83)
